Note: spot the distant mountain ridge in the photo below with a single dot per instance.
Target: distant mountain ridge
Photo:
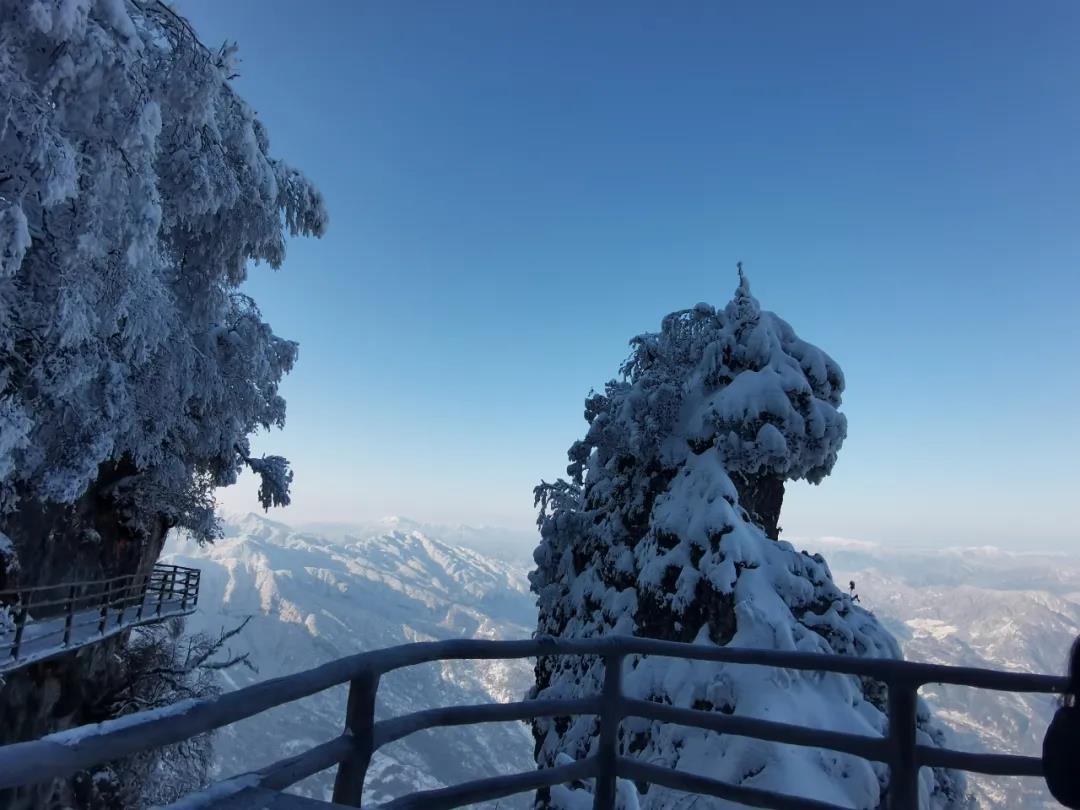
(509, 545)
(980, 607)
(314, 599)
(386, 582)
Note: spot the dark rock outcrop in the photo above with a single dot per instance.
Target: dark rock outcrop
(87, 541)
(52, 696)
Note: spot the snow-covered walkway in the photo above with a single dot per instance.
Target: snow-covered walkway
(89, 612)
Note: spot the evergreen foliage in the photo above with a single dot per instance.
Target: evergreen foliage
(135, 189)
(649, 538)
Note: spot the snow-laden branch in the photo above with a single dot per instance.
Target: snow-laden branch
(137, 188)
(666, 530)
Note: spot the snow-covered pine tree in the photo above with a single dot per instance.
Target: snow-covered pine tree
(135, 189)
(651, 537)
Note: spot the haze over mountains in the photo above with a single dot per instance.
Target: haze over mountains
(510, 545)
(314, 599)
(330, 590)
(975, 607)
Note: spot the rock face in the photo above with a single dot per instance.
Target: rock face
(53, 696)
(668, 530)
(86, 541)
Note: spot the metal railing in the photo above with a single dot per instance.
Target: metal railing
(63, 754)
(49, 620)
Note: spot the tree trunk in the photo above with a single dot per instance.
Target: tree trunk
(761, 496)
(84, 541)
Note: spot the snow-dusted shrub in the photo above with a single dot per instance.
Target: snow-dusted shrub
(160, 666)
(135, 189)
(649, 538)
(9, 564)
(7, 620)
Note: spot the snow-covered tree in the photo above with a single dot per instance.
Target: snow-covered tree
(136, 188)
(651, 537)
(772, 399)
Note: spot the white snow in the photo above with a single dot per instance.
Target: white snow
(314, 599)
(966, 607)
(649, 538)
(139, 189)
(85, 734)
(932, 627)
(43, 639)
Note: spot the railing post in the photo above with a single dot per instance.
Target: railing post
(161, 591)
(105, 596)
(123, 604)
(141, 596)
(187, 585)
(610, 717)
(20, 623)
(69, 614)
(903, 770)
(360, 723)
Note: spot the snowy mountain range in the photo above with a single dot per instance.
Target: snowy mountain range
(314, 598)
(499, 543)
(975, 607)
(332, 590)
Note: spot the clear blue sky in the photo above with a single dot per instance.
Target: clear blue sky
(515, 189)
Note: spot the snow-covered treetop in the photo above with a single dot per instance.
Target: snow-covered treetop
(135, 188)
(652, 536)
(738, 379)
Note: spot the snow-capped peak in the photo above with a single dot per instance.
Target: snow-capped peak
(314, 599)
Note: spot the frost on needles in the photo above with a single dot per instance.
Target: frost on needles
(135, 189)
(666, 528)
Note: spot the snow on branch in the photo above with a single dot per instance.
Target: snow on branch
(661, 533)
(136, 190)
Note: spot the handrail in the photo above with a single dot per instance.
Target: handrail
(41, 632)
(160, 573)
(90, 582)
(494, 787)
(860, 745)
(62, 754)
(388, 731)
(702, 785)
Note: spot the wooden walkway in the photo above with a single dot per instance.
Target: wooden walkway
(52, 620)
(63, 754)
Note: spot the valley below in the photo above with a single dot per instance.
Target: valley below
(325, 592)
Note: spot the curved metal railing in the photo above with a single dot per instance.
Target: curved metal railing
(46, 621)
(63, 754)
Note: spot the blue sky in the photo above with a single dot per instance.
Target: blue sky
(516, 189)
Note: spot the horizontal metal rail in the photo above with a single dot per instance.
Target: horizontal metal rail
(495, 787)
(63, 754)
(860, 745)
(627, 768)
(990, 764)
(289, 771)
(159, 571)
(388, 731)
(45, 627)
